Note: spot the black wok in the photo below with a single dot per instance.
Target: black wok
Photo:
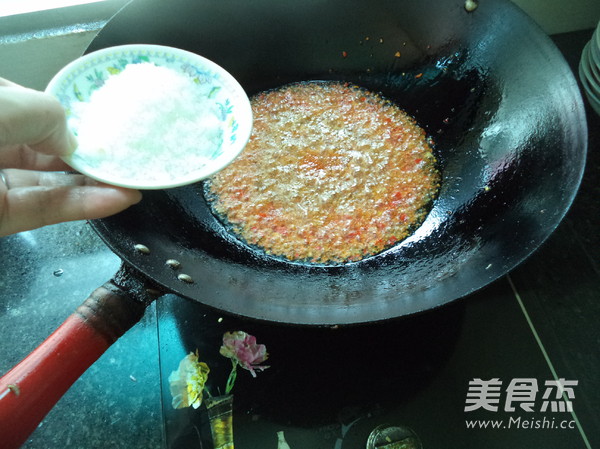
(488, 86)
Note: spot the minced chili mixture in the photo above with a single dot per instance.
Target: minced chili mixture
(332, 173)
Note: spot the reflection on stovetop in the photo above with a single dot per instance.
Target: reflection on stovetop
(330, 387)
(320, 376)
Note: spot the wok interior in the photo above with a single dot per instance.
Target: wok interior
(495, 95)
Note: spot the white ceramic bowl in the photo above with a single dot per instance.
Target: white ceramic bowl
(591, 54)
(594, 49)
(594, 67)
(76, 82)
(593, 98)
(587, 69)
(594, 53)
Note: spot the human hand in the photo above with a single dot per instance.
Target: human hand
(33, 134)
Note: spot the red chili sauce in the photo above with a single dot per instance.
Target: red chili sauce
(332, 174)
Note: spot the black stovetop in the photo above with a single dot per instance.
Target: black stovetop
(330, 387)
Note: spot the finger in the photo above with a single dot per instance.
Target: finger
(21, 156)
(35, 119)
(29, 178)
(56, 199)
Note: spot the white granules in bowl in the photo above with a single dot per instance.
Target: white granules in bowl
(148, 123)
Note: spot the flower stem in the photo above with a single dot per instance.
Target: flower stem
(232, 377)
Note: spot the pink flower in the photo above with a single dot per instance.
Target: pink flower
(242, 349)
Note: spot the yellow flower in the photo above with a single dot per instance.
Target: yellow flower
(187, 383)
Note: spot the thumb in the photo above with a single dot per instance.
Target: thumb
(33, 118)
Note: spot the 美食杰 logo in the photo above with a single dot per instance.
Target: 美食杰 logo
(521, 393)
(531, 404)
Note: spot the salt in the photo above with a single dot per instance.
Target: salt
(150, 123)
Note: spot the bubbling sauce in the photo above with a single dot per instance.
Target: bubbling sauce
(332, 173)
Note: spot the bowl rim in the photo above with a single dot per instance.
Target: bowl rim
(594, 48)
(594, 66)
(587, 68)
(592, 97)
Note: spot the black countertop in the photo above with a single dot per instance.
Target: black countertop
(537, 324)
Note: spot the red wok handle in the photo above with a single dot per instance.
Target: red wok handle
(30, 390)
